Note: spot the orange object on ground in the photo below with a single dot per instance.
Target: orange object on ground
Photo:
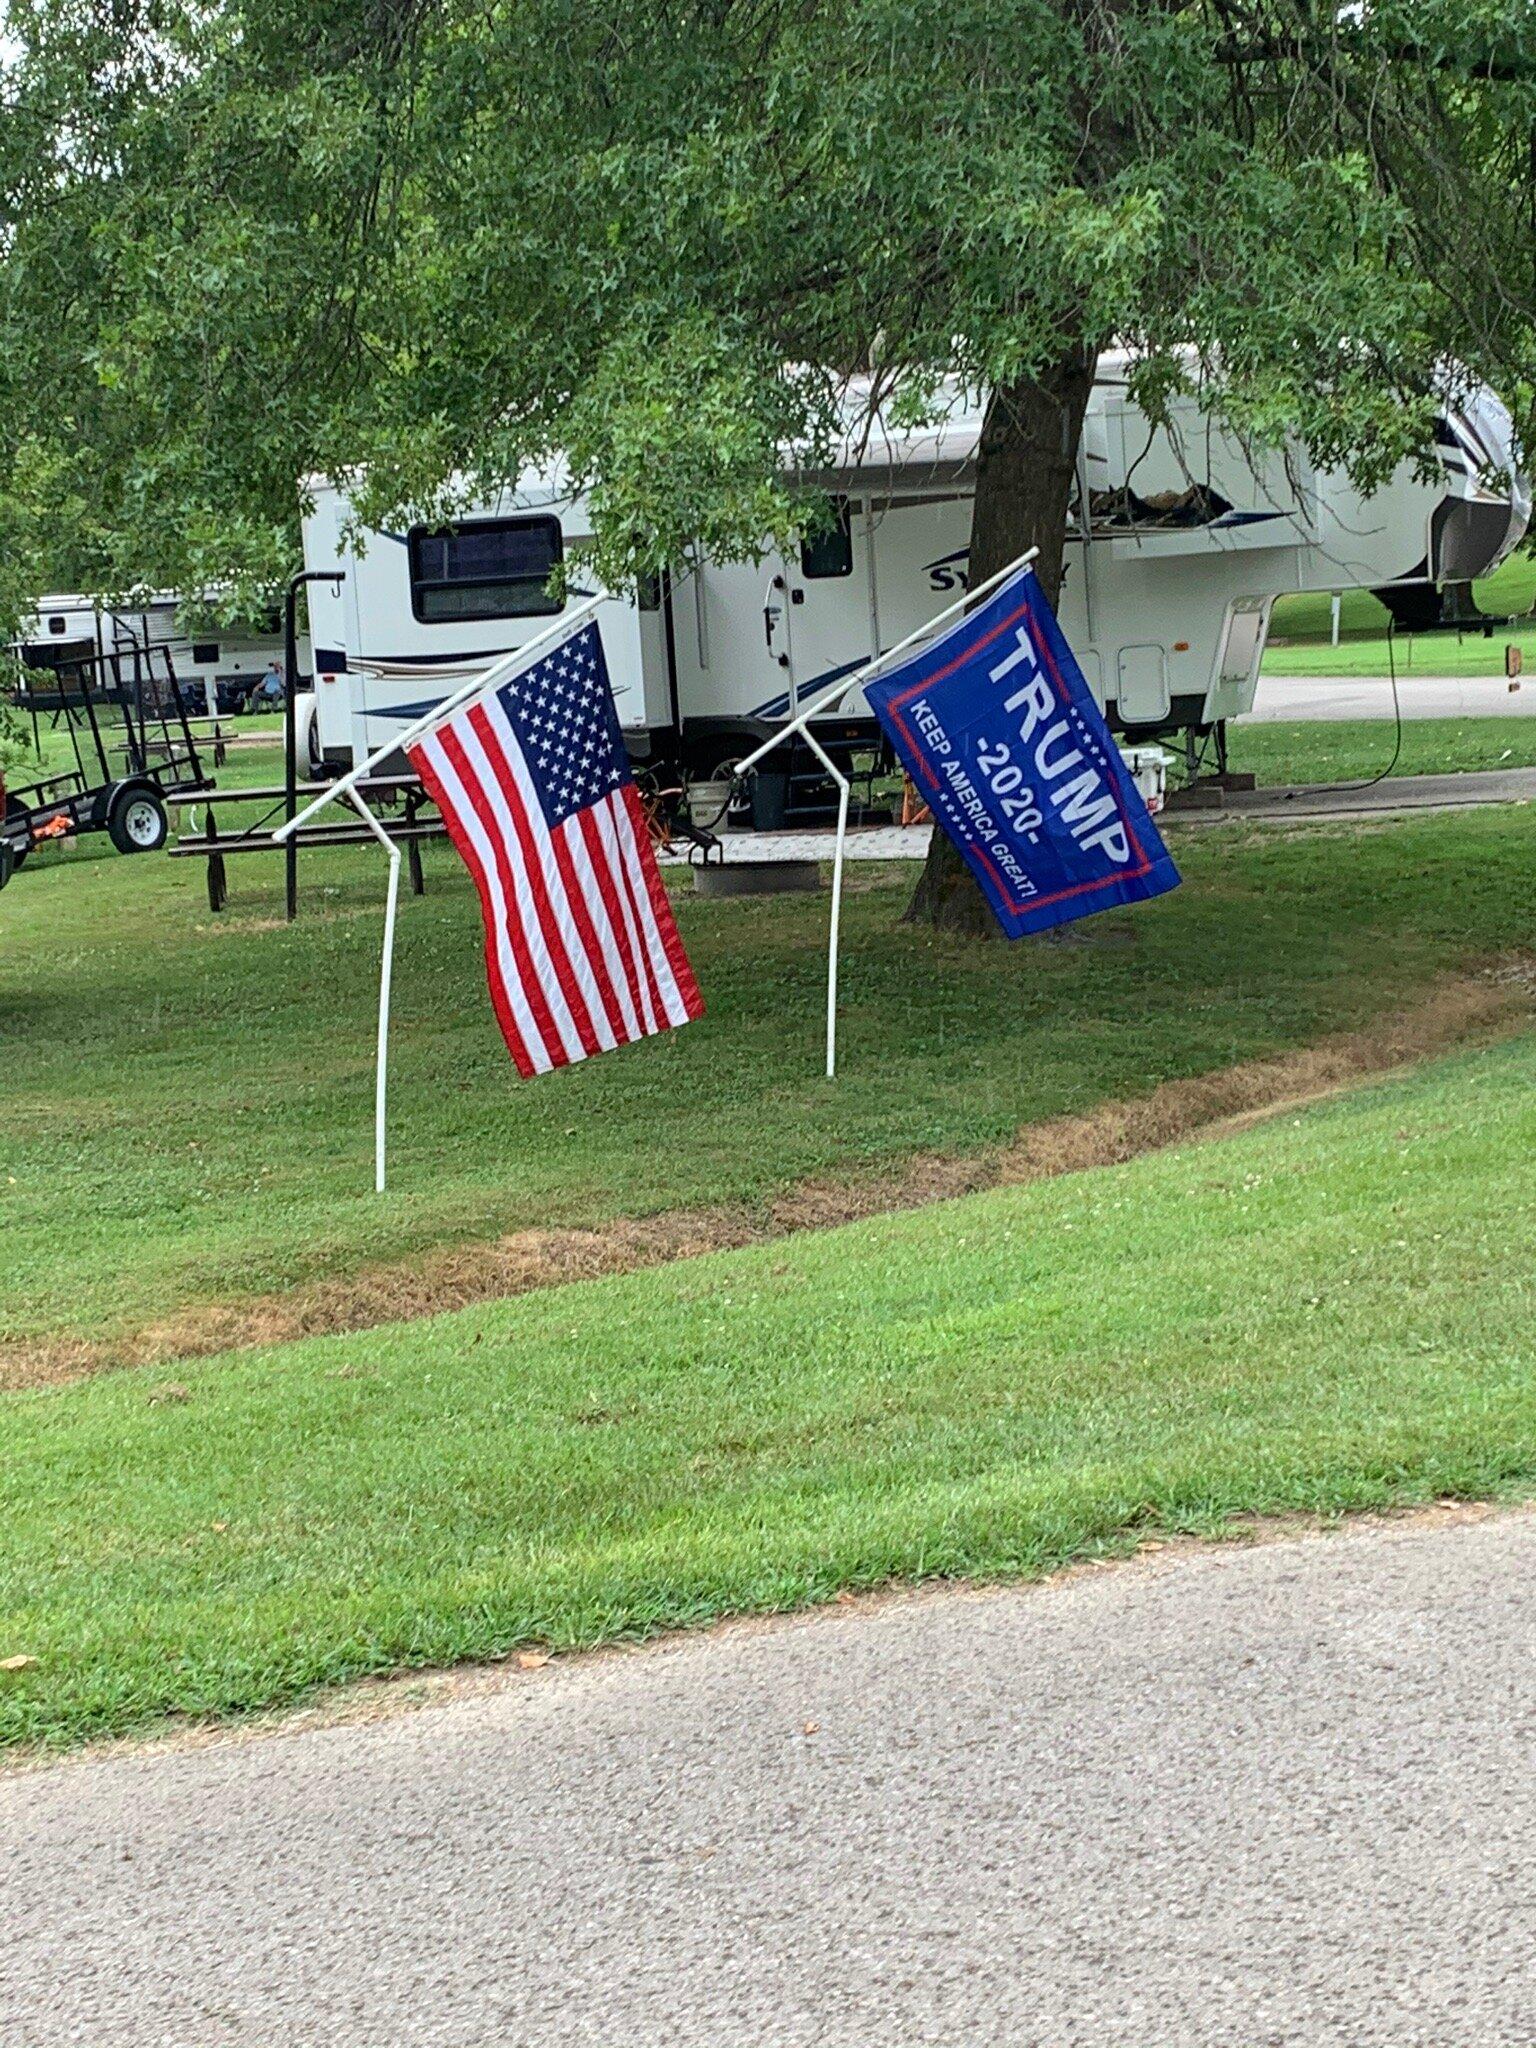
(913, 810)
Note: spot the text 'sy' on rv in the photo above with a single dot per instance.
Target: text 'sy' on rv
(1180, 541)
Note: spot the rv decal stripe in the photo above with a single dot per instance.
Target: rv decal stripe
(497, 761)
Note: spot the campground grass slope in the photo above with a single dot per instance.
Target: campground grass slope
(1333, 1310)
(186, 1101)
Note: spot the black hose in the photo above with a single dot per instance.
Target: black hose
(1353, 788)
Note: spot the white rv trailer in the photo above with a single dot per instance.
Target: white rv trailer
(1179, 545)
(413, 614)
(69, 628)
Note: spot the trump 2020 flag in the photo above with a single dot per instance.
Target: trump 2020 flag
(998, 729)
(581, 949)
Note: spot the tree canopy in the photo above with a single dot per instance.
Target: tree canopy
(423, 242)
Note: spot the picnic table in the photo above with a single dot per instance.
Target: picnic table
(405, 824)
(225, 733)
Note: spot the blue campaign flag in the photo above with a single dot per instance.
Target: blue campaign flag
(1000, 733)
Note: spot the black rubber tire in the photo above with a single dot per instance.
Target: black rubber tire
(312, 751)
(136, 821)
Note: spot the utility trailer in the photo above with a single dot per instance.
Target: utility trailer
(132, 749)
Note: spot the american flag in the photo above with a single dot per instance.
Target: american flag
(582, 951)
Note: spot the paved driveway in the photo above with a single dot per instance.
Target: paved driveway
(1278, 1794)
(1281, 698)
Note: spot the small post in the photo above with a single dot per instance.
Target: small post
(386, 975)
(291, 727)
(1337, 609)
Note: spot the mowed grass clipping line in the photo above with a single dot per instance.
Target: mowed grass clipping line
(1335, 1310)
(186, 1102)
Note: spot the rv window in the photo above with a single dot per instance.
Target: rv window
(484, 569)
(205, 652)
(829, 552)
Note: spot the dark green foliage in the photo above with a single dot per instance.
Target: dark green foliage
(246, 243)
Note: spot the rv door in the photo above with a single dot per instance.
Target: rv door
(825, 593)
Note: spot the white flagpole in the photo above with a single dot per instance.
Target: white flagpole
(386, 973)
(879, 661)
(800, 724)
(486, 679)
(844, 788)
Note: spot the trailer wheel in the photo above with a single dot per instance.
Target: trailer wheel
(136, 823)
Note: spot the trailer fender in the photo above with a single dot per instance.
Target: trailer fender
(103, 799)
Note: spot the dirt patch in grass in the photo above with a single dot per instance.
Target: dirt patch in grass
(1454, 1013)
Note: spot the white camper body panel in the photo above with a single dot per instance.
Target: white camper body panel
(417, 612)
(1179, 545)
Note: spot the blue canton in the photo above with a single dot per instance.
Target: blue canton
(562, 712)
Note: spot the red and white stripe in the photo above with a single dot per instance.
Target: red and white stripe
(582, 950)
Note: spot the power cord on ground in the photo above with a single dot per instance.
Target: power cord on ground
(1348, 788)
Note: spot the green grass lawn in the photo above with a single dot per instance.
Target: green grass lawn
(1354, 750)
(186, 1101)
(1301, 626)
(1333, 1310)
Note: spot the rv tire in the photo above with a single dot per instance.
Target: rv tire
(306, 715)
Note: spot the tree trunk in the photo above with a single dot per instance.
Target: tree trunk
(1024, 468)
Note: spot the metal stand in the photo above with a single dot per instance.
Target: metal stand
(346, 791)
(291, 726)
(801, 724)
